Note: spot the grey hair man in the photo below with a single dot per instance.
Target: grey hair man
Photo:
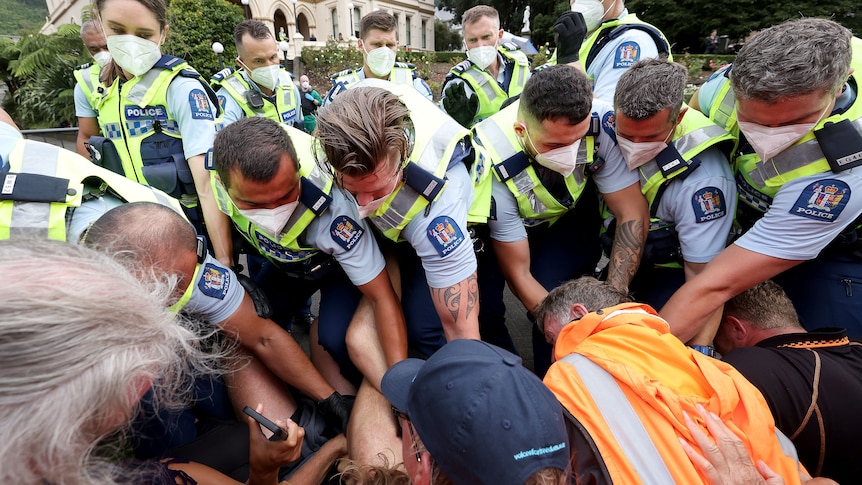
(680, 157)
(798, 177)
(810, 379)
(89, 85)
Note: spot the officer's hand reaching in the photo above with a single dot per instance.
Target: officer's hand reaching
(336, 408)
(569, 33)
(258, 297)
(459, 105)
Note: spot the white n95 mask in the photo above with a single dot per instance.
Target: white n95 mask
(102, 58)
(637, 154)
(561, 160)
(380, 60)
(482, 56)
(592, 10)
(271, 221)
(134, 54)
(266, 76)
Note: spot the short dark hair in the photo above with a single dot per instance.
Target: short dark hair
(255, 28)
(764, 306)
(557, 92)
(379, 20)
(253, 147)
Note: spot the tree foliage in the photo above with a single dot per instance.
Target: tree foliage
(195, 25)
(445, 38)
(18, 16)
(683, 22)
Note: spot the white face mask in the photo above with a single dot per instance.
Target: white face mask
(271, 221)
(768, 142)
(561, 160)
(134, 54)
(593, 12)
(102, 58)
(637, 154)
(369, 208)
(482, 56)
(380, 60)
(305, 85)
(266, 76)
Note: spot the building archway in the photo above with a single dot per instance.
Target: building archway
(279, 21)
(302, 25)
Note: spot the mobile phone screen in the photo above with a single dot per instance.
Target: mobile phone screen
(278, 433)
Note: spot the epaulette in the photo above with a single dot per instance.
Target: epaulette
(405, 65)
(84, 66)
(462, 66)
(510, 46)
(169, 62)
(341, 73)
(222, 75)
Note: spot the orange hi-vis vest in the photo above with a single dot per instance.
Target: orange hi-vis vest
(621, 366)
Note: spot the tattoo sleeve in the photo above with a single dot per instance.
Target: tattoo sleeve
(626, 253)
(457, 305)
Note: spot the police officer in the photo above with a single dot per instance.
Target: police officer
(160, 116)
(89, 87)
(378, 41)
(267, 182)
(615, 40)
(541, 154)
(260, 87)
(403, 162)
(680, 157)
(796, 173)
(493, 72)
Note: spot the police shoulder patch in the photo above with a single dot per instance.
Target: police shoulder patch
(609, 124)
(345, 232)
(214, 281)
(626, 54)
(822, 200)
(708, 204)
(445, 235)
(199, 104)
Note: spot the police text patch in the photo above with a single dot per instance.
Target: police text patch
(279, 252)
(159, 113)
(445, 235)
(708, 204)
(288, 115)
(345, 232)
(822, 200)
(626, 54)
(200, 105)
(214, 281)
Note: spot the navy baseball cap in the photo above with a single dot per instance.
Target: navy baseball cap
(484, 418)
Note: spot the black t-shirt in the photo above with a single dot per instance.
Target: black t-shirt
(783, 369)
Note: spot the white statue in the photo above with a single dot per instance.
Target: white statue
(526, 19)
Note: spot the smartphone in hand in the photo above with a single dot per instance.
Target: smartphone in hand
(278, 433)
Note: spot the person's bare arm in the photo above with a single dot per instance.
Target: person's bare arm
(707, 333)
(632, 218)
(514, 259)
(217, 223)
(87, 127)
(388, 317)
(730, 273)
(276, 349)
(458, 308)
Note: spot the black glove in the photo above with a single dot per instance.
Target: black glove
(459, 106)
(258, 297)
(569, 33)
(336, 408)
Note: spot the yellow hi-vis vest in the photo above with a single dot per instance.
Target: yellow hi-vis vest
(44, 182)
(611, 29)
(402, 73)
(436, 136)
(87, 77)
(513, 166)
(314, 199)
(235, 85)
(134, 115)
(491, 94)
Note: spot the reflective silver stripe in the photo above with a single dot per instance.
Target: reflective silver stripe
(88, 80)
(430, 160)
(31, 218)
(139, 90)
(685, 144)
(725, 108)
(402, 75)
(791, 159)
(627, 429)
(236, 84)
(482, 81)
(787, 446)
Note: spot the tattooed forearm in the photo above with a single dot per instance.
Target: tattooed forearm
(458, 307)
(626, 253)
